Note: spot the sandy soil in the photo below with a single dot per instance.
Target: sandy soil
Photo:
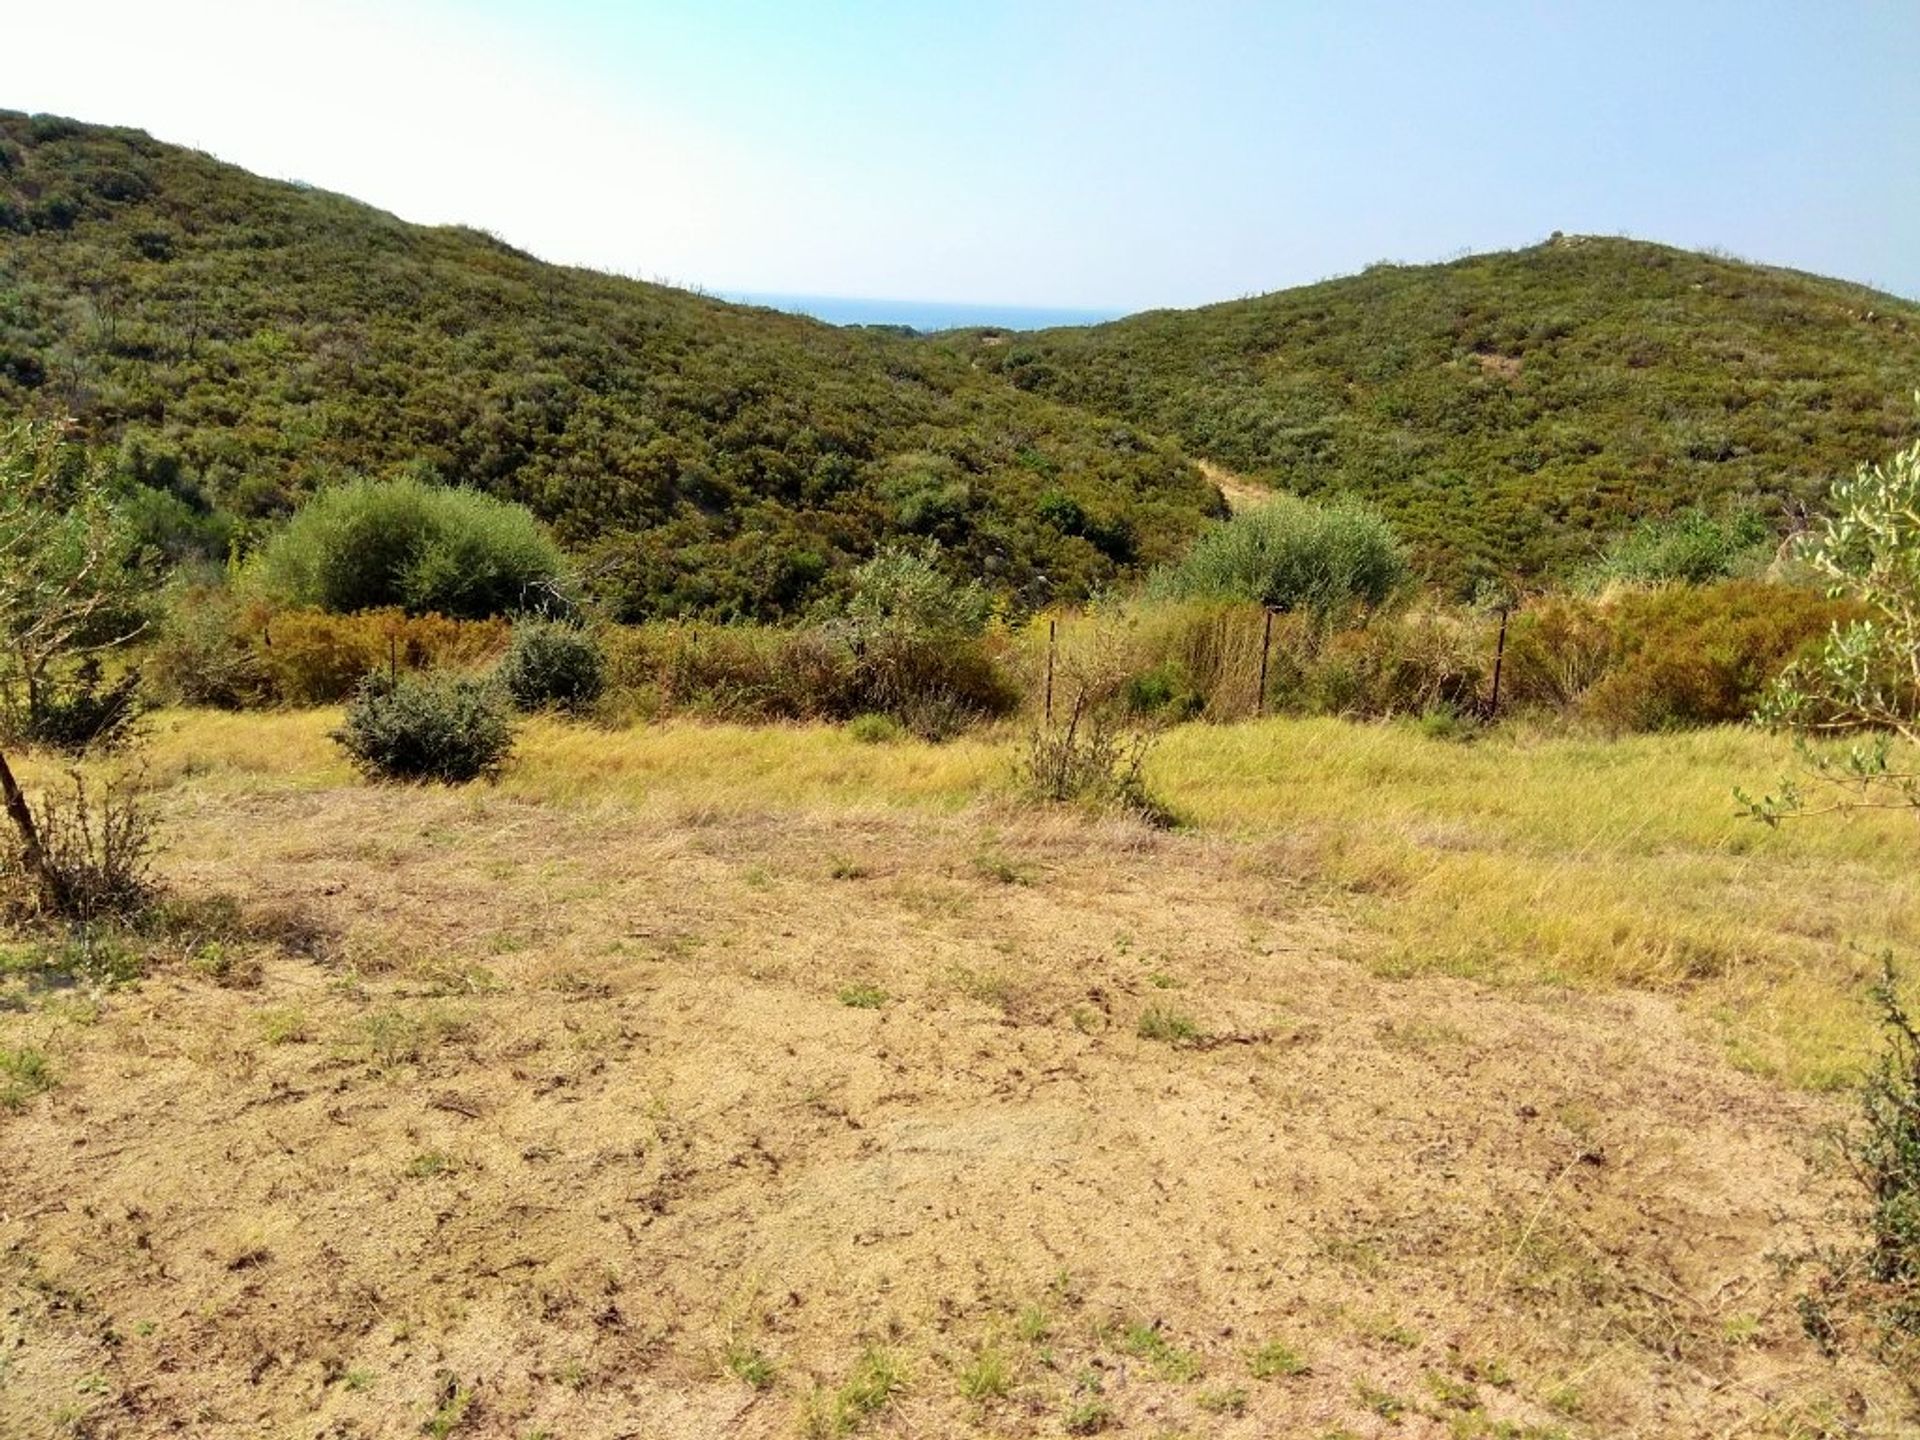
(1240, 492)
(498, 1119)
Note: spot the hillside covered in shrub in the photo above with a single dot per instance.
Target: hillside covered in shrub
(243, 342)
(1508, 411)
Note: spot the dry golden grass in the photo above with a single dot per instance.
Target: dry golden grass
(1520, 857)
(706, 1080)
(1582, 861)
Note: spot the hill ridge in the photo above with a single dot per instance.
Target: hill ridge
(242, 341)
(1508, 410)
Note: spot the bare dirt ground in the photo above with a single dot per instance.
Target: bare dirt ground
(1240, 492)
(496, 1118)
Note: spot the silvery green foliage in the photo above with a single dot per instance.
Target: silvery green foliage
(904, 591)
(1865, 680)
(1326, 560)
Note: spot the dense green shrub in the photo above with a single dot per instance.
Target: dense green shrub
(915, 635)
(431, 726)
(1293, 555)
(904, 592)
(1165, 691)
(552, 663)
(875, 729)
(1693, 545)
(424, 548)
(175, 529)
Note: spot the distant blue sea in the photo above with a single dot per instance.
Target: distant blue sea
(924, 314)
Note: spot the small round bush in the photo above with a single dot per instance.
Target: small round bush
(876, 729)
(427, 727)
(1291, 554)
(548, 663)
(421, 547)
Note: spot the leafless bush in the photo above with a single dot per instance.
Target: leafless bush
(1095, 759)
(96, 847)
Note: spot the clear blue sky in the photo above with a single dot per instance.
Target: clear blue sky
(1093, 154)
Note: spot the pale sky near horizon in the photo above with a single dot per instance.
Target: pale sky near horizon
(1053, 152)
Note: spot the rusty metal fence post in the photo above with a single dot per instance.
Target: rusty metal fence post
(1052, 630)
(1499, 659)
(1266, 647)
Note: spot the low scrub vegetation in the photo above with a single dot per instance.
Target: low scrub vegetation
(1693, 546)
(216, 647)
(1511, 413)
(428, 726)
(1670, 657)
(702, 460)
(82, 713)
(1886, 1153)
(1665, 657)
(87, 855)
(552, 664)
(1095, 759)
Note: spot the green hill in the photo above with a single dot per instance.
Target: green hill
(1508, 410)
(242, 341)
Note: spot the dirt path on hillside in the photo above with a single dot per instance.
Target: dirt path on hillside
(1241, 493)
(544, 1122)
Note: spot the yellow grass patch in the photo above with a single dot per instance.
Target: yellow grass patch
(1521, 857)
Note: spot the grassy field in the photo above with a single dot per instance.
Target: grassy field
(711, 1080)
(1520, 858)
